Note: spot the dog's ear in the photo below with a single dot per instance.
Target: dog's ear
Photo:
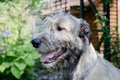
(84, 30)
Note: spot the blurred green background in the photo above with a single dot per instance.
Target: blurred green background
(18, 59)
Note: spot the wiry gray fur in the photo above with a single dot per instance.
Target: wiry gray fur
(80, 60)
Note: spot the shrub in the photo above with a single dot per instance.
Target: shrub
(17, 56)
(115, 49)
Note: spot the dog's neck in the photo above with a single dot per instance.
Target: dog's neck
(72, 61)
(86, 63)
(81, 66)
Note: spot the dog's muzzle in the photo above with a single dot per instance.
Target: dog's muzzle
(36, 42)
(48, 56)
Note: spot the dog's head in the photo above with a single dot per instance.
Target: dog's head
(62, 39)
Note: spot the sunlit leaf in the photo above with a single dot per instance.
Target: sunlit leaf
(11, 54)
(2, 68)
(36, 56)
(30, 62)
(20, 65)
(6, 64)
(16, 72)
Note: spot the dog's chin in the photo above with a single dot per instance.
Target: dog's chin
(53, 58)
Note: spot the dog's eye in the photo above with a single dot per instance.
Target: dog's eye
(59, 28)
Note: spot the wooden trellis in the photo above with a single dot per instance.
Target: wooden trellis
(64, 5)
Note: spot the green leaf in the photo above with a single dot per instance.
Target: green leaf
(2, 68)
(20, 65)
(106, 2)
(116, 27)
(4, 65)
(30, 62)
(11, 54)
(16, 72)
(35, 56)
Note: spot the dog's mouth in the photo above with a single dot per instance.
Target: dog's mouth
(52, 56)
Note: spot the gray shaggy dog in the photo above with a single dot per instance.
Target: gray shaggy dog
(64, 42)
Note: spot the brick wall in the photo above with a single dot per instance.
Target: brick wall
(113, 19)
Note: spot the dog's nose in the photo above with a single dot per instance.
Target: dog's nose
(36, 42)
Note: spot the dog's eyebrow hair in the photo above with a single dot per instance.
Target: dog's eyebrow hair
(46, 23)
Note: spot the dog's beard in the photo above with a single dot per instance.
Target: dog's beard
(66, 64)
(63, 60)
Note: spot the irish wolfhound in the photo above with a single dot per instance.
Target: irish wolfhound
(65, 43)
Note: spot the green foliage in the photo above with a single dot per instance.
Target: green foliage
(105, 26)
(114, 42)
(115, 46)
(17, 56)
(105, 2)
(4, 0)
